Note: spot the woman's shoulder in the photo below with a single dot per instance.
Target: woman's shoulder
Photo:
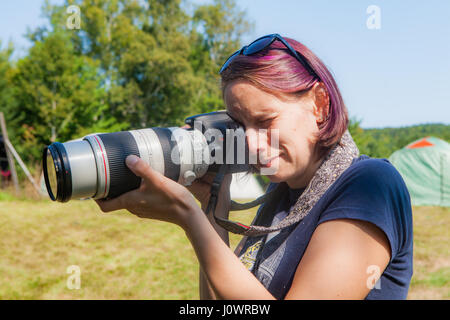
(366, 171)
(367, 163)
(374, 170)
(371, 179)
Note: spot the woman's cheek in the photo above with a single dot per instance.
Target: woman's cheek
(274, 143)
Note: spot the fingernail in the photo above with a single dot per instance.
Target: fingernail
(131, 160)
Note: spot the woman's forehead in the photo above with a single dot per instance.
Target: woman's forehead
(243, 99)
(245, 113)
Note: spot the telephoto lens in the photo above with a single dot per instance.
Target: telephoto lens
(94, 166)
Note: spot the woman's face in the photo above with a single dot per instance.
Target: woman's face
(267, 118)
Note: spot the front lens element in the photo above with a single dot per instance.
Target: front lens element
(57, 173)
(51, 173)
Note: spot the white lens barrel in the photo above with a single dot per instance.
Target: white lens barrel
(190, 152)
(83, 169)
(201, 153)
(150, 148)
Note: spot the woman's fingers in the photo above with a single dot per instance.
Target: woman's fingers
(110, 204)
(141, 168)
(208, 178)
(137, 166)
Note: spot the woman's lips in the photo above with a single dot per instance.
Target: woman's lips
(266, 163)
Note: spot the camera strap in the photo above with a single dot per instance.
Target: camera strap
(232, 226)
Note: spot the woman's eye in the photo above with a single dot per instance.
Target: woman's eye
(264, 122)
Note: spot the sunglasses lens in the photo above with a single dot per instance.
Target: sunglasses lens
(258, 45)
(261, 44)
(227, 63)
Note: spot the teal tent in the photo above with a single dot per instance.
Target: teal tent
(425, 166)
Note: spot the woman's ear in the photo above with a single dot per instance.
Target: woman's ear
(321, 101)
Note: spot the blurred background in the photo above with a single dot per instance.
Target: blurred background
(69, 68)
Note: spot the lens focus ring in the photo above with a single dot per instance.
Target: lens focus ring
(119, 145)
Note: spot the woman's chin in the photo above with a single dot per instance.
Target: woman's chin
(272, 171)
(275, 176)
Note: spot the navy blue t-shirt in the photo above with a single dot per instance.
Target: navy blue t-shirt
(371, 190)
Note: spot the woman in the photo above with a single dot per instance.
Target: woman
(334, 223)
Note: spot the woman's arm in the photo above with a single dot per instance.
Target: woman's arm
(206, 292)
(343, 260)
(333, 266)
(201, 189)
(227, 276)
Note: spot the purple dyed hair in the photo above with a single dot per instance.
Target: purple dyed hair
(276, 71)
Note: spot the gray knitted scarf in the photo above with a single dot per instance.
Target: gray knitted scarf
(333, 165)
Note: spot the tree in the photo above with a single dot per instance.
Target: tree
(159, 61)
(132, 64)
(6, 68)
(58, 94)
(223, 25)
(381, 143)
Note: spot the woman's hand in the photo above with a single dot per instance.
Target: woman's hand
(158, 197)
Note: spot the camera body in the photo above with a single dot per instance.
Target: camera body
(94, 166)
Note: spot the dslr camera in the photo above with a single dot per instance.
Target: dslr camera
(94, 166)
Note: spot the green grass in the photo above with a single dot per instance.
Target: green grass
(123, 257)
(431, 278)
(120, 256)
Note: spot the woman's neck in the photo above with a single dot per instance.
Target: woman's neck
(303, 180)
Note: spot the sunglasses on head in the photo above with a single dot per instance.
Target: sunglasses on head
(262, 43)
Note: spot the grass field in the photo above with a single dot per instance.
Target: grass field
(123, 257)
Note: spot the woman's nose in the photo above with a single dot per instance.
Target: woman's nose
(255, 140)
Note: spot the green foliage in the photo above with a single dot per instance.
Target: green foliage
(7, 100)
(160, 62)
(6, 91)
(381, 143)
(223, 26)
(132, 64)
(58, 94)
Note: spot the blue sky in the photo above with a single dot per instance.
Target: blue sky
(394, 76)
